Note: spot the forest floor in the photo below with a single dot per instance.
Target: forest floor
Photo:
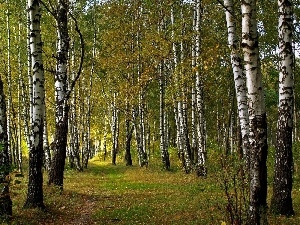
(107, 194)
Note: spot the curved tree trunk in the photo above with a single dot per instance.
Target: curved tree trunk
(283, 174)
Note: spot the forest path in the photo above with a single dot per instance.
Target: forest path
(105, 194)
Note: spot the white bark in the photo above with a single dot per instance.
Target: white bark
(38, 95)
(19, 131)
(201, 159)
(283, 173)
(239, 76)
(9, 84)
(257, 116)
(35, 182)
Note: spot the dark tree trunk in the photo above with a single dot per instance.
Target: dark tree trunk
(5, 201)
(35, 186)
(129, 131)
(56, 174)
(281, 202)
(258, 170)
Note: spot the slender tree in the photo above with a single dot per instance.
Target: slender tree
(283, 172)
(201, 169)
(5, 201)
(257, 116)
(62, 107)
(162, 105)
(9, 83)
(35, 182)
(239, 76)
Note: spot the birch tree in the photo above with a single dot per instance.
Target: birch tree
(114, 129)
(34, 197)
(9, 84)
(5, 200)
(239, 76)
(162, 106)
(201, 169)
(257, 116)
(62, 108)
(283, 172)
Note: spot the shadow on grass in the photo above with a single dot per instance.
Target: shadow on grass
(70, 207)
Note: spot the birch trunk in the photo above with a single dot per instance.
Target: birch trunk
(74, 152)
(162, 121)
(19, 130)
(87, 141)
(129, 131)
(201, 169)
(239, 77)
(114, 130)
(5, 200)
(9, 84)
(34, 197)
(61, 112)
(47, 155)
(258, 148)
(283, 173)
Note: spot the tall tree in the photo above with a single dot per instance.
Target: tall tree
(9, 83)
(201, 169)
(5, 201)
(62, 107)
(257, 116)
(162, 109)
(35, 182)
(62, 90)
(281, 202)
(239, 76)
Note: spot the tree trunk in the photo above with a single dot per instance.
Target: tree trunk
(35, 182)
(129, 131)
(5, 201)
(281, 202)
(74, 124)
(239, 77)
(47, 155)
(62, 109)
(114, 130)
(162, 119)
(257, 117)
(201, 169)
(9, 84)
(19, 130)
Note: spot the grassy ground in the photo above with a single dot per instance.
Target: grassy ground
(106, 194)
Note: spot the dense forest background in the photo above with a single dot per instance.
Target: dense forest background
(140, 81)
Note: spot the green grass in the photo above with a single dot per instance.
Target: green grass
(107, 194)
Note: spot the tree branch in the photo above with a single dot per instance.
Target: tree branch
(67, 96)
(222, 4)
(51, 11)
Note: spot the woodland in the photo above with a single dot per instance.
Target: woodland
(149, 112)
